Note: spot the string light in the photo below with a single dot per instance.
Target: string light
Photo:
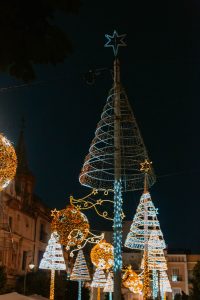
(118, 226)
(88, 202)
(8, 162)
(102, 255)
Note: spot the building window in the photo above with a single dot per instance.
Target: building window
(40, 256)
(10, 223)
(43, 234)
(24, 258)
(175, 275)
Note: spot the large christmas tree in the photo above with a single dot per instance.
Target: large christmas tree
(80, 271)
(53, 260)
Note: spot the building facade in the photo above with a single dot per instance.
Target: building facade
(24, 221)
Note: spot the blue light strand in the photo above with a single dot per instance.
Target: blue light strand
(155, 284)
(117, 226)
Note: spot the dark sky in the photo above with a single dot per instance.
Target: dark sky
(160, 72)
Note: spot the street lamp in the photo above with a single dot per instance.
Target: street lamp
(31, 266)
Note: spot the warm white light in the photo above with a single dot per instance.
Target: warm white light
(31, 266)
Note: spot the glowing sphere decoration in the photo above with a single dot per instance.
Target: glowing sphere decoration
(131, 280)
(71, 225)
(8, 162)
(102, 255)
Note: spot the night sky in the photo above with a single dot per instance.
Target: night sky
(160, 72)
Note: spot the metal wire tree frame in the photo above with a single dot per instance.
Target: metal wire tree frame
(115, 155)
(99, 168)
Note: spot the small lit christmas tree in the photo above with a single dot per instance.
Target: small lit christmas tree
(144, 221)
(99, 281)
(109, 286)
(156, 257)
(165, 286)
(156, 260)
(80, 271)
(53, 260)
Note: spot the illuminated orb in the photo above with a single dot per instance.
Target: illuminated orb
(71, 225)
(8, 162)
(102, 255)
(131, 280)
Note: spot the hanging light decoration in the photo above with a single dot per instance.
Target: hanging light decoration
(71, 225)
(132, 281)
(8, 162)
(102, 255)
(73, 229)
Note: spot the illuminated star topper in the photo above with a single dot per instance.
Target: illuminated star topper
(115, 41)
(145, 166)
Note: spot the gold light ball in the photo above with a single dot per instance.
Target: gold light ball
(102, 255)
(8, 162)
(131, 280)
(71, 225)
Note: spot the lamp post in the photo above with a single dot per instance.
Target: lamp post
(31, 266)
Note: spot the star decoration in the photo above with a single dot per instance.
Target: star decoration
(95, 192)
(115, 41)
(54, 213)
(145, 166)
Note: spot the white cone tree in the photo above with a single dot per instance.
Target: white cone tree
(144, 221)
(109, 284)
(53, 260)
(99, 281)
(80, 271)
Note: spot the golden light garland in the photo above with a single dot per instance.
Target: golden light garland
(8, 162)
(146, 279)
(102, 255)
(71, 225)
(88, 202)
(132, 281)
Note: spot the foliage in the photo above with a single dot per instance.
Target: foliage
(29, 35)
(196, 282)
(3, 278)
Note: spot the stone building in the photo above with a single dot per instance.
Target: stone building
(24, 220)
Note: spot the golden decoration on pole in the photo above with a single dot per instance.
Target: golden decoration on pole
(71, 225)
(73, 228)
(102, 255)
(131, 281)
(8, 162)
